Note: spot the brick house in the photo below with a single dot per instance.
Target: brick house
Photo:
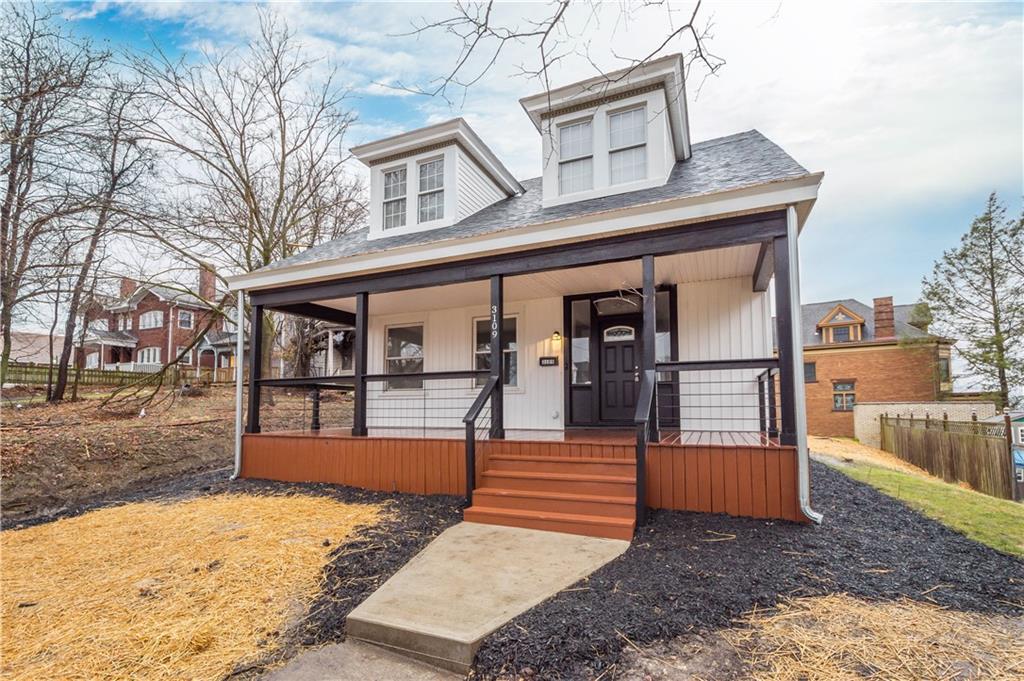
(881, 353)
(149, 325)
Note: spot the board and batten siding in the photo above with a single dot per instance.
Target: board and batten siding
(534, 404)
(722, 319)
(718, 319)
(474, 190)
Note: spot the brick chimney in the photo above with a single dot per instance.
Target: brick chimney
(885, 325)
(128, 286)
(207, 282)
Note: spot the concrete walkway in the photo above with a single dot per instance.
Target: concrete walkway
(354, 661)
(468, 582)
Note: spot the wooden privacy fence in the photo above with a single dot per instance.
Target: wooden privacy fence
(21, 373)
(957, 451)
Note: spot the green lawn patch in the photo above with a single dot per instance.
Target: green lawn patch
(994, 522)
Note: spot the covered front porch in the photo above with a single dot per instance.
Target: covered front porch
(569, 387)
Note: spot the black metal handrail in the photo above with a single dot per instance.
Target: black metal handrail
(470, 420)
(644, 408)
(330, 382)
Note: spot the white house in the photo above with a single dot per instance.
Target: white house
(584, 344)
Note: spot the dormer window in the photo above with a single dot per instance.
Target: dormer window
(394, 198)
(627, 146)
(431, 196)
(576, 157)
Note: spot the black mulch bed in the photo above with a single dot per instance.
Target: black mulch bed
(677, 577)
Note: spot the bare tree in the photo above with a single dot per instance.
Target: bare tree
(119, 165)
(559, 30)
(43, 73)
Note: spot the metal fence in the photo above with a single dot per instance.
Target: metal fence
(974, 452)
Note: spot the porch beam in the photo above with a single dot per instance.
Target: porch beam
(784, 335)
(321, 312)
(678, 239)
(252, 424)
(649, 334)
(764, 268)
(497, 361)
(361, 320)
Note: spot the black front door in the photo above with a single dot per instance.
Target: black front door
(619, 341)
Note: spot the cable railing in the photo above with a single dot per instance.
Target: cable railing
(425, 404)
(306, 405)
(718, 402)
(478, 424)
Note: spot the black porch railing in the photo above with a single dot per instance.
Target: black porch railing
(477, 419)
(646, 424)
(305, 404)
(728, 401)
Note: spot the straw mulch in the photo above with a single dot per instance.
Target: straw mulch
(843, 448)
(188, 590)
(838, 637)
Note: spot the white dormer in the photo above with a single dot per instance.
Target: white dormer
(614, 133)
(431, 177)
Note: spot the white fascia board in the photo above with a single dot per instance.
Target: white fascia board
(457, 129)
(691, 209)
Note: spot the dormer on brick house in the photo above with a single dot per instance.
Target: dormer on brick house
(612, 134)
(432, 177)
(841, 325)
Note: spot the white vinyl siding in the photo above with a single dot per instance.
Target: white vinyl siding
(627, 146)
(148, 356)
(394, 198)
(576, 157)
(154, 319)
(475, 191)
(431, 194)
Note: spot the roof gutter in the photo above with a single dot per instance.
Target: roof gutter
(802, 455)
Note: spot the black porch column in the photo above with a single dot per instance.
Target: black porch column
(359, 361)
(784, 334)
(649, 335)
(497, 360)
(252, 424)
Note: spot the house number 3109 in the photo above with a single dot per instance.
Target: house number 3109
(494, 321)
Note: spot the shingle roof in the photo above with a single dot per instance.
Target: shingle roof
(726, 163)
(112, 336)
(812, 313)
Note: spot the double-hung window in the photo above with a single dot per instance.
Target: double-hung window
(148, 356)
(509, 349)
(403, 354)
(186, 358)
(394, 198)
(184, 319)
(627, 146)
(575, 157)
(431, 196)
(153, 319)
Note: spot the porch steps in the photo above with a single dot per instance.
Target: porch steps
(588, 496)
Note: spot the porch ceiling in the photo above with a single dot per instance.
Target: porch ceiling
(720, 263)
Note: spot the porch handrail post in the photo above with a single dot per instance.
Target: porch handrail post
(649, 338)
(252, 424)
(359, 364)
(497, 359)
(784, 319)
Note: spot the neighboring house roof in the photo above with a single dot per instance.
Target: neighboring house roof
(812, 313)
(737, 161)
(112, 337)
(165, 293)
(998, 418)
(222, 338)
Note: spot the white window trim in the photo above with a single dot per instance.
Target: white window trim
(187, 358)
(403, 392)
(517, 389)
(563, 160)
(384, 202)
(92, 360)
(151, 315)
(145, 360)
(191, 319)
(441, 190)
(611, 150)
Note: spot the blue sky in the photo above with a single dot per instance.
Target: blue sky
(914, 112)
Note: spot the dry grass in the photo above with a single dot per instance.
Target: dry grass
(838, 637)
(844, 448)
(185, 590)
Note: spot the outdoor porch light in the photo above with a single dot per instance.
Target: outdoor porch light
(556, 338)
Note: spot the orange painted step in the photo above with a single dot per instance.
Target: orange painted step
(605, 485)
(562, 464)
(556, 502)
(570, 523)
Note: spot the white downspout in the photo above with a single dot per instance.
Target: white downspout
(239, 376)
(797, 343)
